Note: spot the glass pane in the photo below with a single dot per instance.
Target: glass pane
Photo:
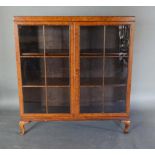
(117, 39)
(114, 99)
(31, 40)
(33, 72)
(91, 69)
(103, 68)
(91, 40)
(115, 80)
(57, 71)
(58, 100)
(57, 40)
(91, 100)
(115, 70)
(34, 100)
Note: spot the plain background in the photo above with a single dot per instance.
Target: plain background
(143, 75)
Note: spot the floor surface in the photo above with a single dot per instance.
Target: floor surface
(86, 134)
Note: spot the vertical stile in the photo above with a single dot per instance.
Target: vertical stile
(77, 68)
(71, 67)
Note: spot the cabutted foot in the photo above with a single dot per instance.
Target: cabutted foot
(22, 127)
(127, 124)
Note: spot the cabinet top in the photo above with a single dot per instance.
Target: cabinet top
(74, 18)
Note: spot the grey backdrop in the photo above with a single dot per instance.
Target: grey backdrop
(143, 85)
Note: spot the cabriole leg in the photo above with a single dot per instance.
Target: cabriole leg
(126, 125)
(22, 127)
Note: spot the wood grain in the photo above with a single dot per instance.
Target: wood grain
(73, 18)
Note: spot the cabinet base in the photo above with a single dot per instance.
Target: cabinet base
(23, 123)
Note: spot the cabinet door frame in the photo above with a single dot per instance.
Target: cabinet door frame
(83, 116)
(46, 116)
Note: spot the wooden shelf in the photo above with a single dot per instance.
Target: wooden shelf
(34, 83)
(51, 82)
(85, 82)
(107, 50)
(32, 54)
(100, 55)
(48, 55)
(51, 109)
(48, 51)
(91, 82)
(98, 82)
(92, 53)
(60, 53)
(57, 55)
(33, 86)
(114, 81)
(58, 82)
(66, 55)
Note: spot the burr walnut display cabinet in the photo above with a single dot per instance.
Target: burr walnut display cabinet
(74, 68)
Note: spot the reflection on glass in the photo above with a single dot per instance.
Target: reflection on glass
(115, 71)
(124, 33)
(117, 40)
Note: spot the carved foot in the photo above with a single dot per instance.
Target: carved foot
(126, 125)
(22, 127)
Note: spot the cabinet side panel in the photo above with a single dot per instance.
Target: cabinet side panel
(18, 64)
(130, 60)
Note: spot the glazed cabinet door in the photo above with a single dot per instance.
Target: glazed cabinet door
(46, 54)
(102, 52)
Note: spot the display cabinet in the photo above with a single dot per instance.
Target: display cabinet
(74, 68)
